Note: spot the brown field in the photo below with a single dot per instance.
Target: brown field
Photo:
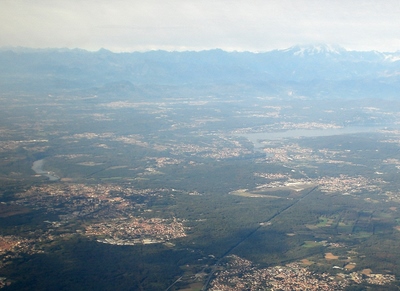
(350, 266)
(330, 256)
(306, 262)
(7, 244)
(366, 272)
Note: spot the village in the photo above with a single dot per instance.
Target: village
(112, 214)
(240, 274)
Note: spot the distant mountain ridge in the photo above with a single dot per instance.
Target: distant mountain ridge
(308, 50)
(308, 70)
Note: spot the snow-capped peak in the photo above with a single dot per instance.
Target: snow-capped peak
(319, 49)
(393, 57)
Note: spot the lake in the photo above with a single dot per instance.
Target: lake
(257, 137)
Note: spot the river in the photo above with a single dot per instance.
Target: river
(38, 168)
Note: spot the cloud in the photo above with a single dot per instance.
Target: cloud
(255, 25)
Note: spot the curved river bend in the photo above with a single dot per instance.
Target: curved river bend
(38, 168)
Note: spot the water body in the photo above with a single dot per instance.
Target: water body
(38, 168)
(258, 137)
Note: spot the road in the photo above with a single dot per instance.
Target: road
(213, 267)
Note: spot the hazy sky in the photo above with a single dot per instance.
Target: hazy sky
(255, 25)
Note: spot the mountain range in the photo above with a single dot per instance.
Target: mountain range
(317, 71)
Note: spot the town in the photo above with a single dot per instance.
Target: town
(240, 274)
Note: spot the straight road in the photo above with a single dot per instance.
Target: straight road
(213, 267)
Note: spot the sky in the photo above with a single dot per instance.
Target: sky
(178, 25)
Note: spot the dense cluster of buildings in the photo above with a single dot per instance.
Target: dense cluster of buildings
(240, 274)
(219, 147)
(111, 213)
(343, 183)
(133, 230)
(348, 185)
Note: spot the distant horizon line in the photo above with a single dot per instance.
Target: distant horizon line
(299, 46)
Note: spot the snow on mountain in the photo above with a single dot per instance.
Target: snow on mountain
(394, 57)
(310, 50)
